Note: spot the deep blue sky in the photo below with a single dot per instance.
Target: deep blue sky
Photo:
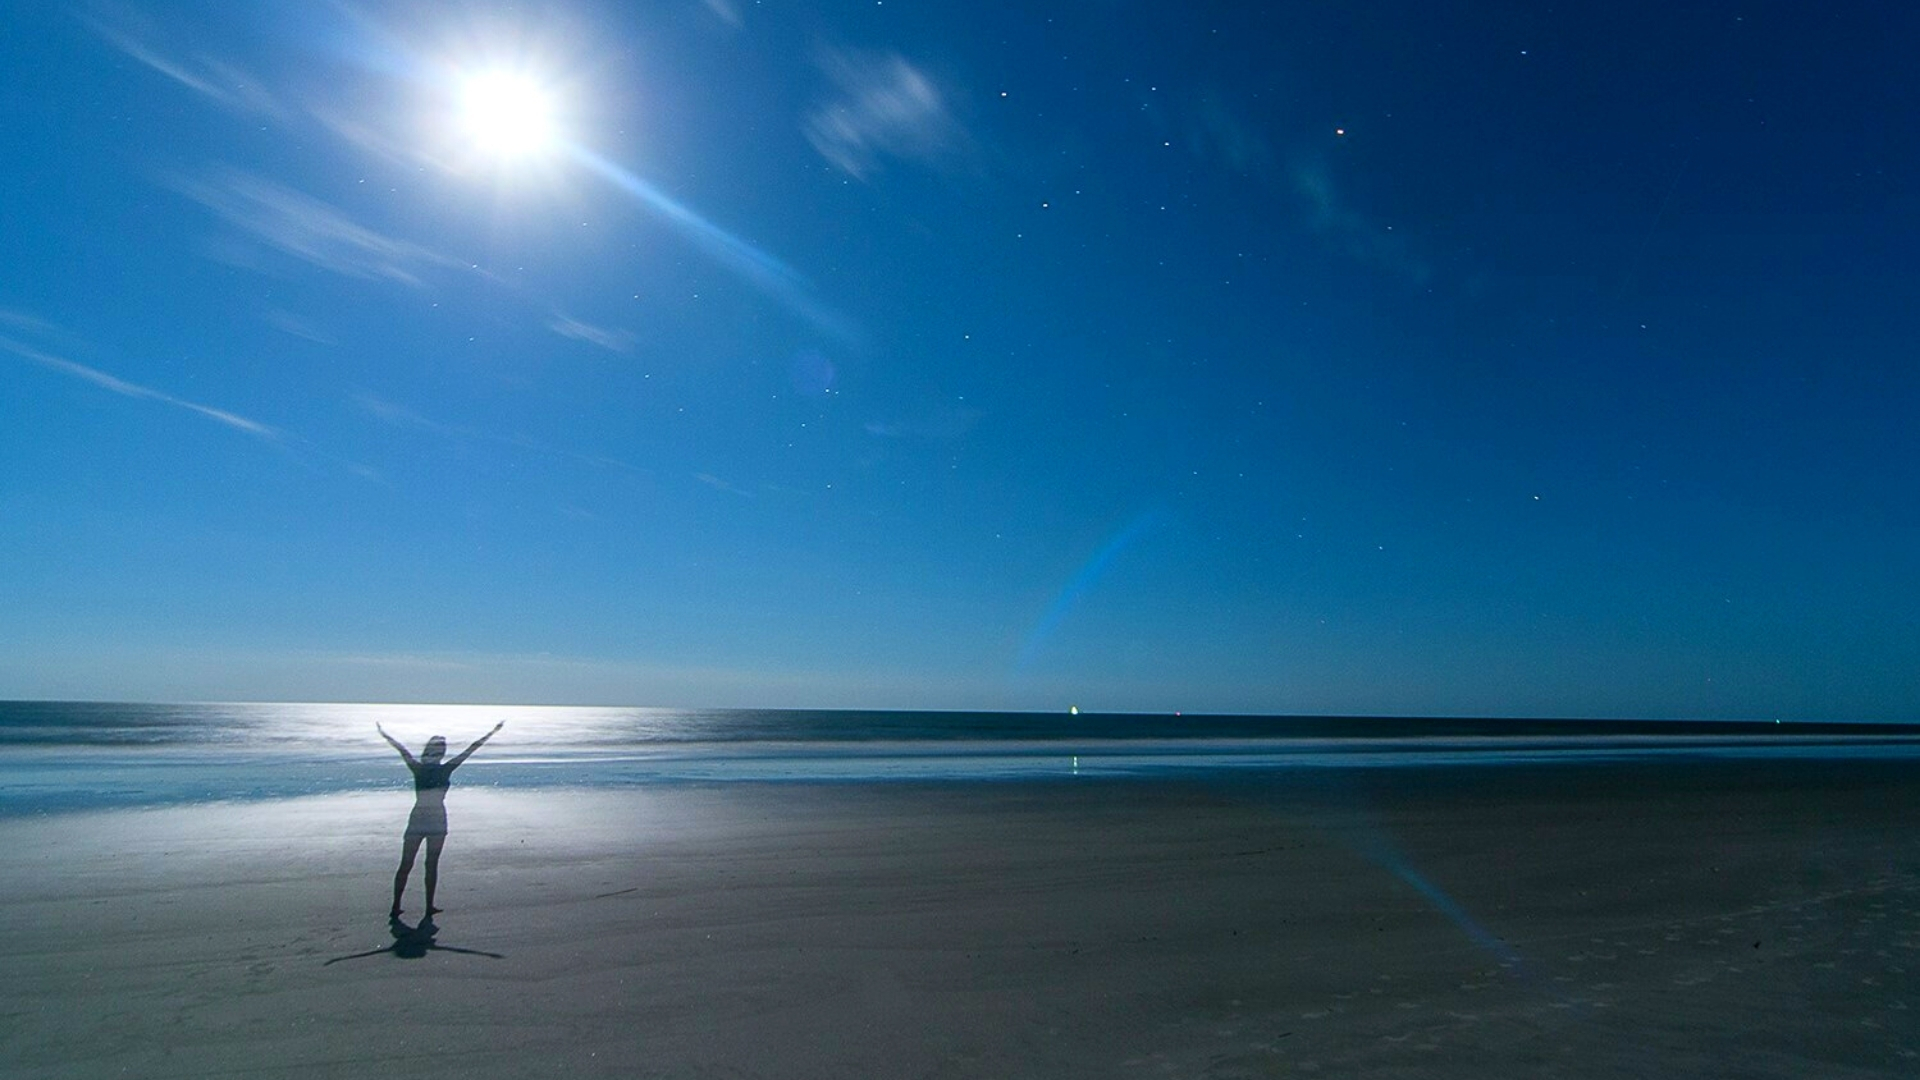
(1317, 357)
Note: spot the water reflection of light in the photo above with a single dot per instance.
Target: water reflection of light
(532, 730)
(122, 756)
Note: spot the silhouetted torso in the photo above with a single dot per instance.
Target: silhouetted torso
(429, 777)
(430, 782)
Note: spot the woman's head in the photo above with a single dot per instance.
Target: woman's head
(436, 748)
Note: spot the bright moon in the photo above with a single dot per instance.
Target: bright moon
(507, 114)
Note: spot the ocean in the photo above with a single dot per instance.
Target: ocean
(65, 756)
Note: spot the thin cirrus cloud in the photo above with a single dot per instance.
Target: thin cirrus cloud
(884, 107)
(941, 425)
(720, 484)
(216, 80)
(315, 232)
(1356, 235)
(610, 339)
(288, 323)
(398, 416)
(1217, 131)
(295, 223)
(227, 86)
(727, 11)
(133, 390)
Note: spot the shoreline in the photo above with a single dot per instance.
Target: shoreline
(36, 781)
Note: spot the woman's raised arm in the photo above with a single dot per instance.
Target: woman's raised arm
(395, 743)
(477, 743)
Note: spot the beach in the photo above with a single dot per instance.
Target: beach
(1725, 918)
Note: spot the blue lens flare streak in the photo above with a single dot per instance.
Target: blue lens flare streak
(758, 268)
(1083, 581)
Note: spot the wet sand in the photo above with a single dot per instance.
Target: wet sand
(1733, 920)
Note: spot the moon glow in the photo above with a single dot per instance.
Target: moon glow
(507, 114)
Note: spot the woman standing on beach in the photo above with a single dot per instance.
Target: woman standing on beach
(429, 819)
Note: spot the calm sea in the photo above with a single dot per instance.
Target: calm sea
(75, 755)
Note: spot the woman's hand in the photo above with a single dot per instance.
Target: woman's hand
(405, 754)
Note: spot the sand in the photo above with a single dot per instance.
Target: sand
(1759, 920)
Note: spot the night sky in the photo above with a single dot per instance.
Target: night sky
(1319, 357)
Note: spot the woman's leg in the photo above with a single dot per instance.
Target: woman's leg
(407, 852)
(434, 844)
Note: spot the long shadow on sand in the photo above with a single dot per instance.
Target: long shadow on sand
(411, 942)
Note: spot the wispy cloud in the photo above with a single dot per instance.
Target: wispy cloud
(613, 340)
(1217, 131)
(1214, 126)
(727, 11)
(45, 336)
(1360, 237)
(288, 323)
(718, 484)
(134, 390)
(396, 415)
(216, 80)
(885, 107)
(308, 229)
(399, 416)
(942, 425)
(33, 324)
